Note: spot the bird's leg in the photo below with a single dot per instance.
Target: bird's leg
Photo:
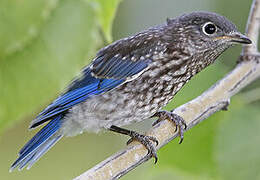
(143, 139)
(176, 119)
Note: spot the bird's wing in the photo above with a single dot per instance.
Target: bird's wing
(118, 67)
(113, 71)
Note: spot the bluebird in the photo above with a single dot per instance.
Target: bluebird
(131, 80)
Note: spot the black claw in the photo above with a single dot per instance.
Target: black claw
(155, 159)
(176, 119)
(129, 141)
(156, 141)
(152, 153)
(185, 126)
(176, 128)
(181, 140)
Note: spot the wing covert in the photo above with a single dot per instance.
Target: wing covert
(118, 67)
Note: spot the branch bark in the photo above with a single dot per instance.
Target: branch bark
(214, 99)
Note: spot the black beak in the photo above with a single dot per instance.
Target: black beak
(239, 38)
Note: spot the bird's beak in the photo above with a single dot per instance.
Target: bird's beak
(239, 38)
(236, 37)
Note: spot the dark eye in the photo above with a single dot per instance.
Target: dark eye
(209, 28)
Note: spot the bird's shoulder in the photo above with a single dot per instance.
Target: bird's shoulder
(138, 44)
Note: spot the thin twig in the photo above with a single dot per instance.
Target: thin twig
(214, 99)
(252, 28)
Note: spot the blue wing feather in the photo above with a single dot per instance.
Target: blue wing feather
(120, 65)
(118, 68)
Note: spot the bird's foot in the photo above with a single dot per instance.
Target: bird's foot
(147, 141)
(176, 119)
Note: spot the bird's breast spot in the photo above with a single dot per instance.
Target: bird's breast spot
(180, 71)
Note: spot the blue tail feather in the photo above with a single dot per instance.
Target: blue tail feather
(39, 136)
(39, 144)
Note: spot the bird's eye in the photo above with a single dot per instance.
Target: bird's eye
(209, 28)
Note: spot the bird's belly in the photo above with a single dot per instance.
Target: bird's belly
(112, 108)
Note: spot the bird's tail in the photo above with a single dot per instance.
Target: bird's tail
(39, 144)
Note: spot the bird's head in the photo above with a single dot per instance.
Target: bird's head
(205, 31)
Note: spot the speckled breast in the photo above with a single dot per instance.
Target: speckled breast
(141, 98)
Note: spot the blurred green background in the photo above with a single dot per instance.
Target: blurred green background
(45, 43)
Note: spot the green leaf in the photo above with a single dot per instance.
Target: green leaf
(43, 45)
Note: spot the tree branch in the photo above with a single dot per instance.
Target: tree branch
(214, 99)
(252, 28)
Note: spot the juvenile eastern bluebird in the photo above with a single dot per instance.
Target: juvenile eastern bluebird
(132, 80)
